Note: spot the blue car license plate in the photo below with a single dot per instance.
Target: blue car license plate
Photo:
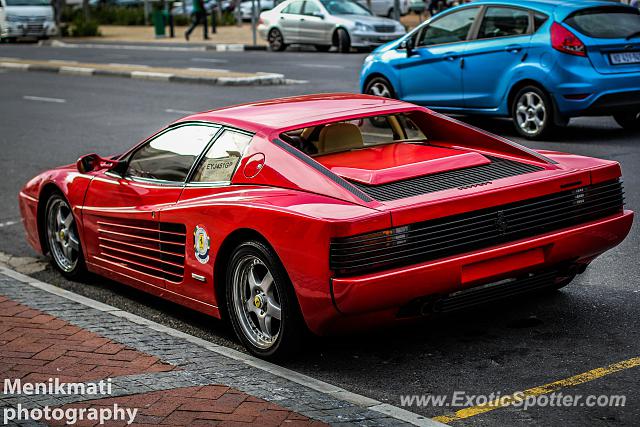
(625, 58)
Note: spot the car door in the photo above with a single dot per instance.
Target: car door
(204, 208)
(490, 59)
(432, 75)
(314, 28)
(290, 21)
(122, 213)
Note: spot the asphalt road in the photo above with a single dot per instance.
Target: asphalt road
(502, 348)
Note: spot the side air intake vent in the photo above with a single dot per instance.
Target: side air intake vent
(156, 249)
(498, 168)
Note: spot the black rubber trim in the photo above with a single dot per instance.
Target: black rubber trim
(326, 172)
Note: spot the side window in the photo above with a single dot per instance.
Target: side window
(220, 162)
(451, 28)
(294, 8)
(538, 21)
(311, 8)
(170, 156)
(504, 22)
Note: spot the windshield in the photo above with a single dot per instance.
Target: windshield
(28, 2)
(354, 134)
(345, 7)
(606, 23)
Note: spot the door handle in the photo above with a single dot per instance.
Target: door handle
(301, 19)
(450, 56)
(513, 48)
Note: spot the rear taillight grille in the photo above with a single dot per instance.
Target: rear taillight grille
(476, 175)
(155, 249)
(470, 231)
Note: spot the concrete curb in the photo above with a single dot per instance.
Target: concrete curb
(296, 377)
(267, 79)
(177, 47)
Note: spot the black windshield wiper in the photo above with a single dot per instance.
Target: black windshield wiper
(632, 35)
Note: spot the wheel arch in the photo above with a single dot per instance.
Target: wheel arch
(374, 75)
(521, 84)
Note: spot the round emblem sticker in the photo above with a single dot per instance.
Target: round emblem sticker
(201, 244)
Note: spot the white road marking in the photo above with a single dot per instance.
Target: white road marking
(44, 99)
(172, 111)
(337, 67)
(215, 61)
(9, 223)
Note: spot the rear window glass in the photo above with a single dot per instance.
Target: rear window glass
(354, 134)
(606, 23)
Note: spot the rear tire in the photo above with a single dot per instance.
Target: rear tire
(261, 302)
(532, 113)
(342, 40)
(276, 41)
(379, 86)
(629, 121)
(63, 241)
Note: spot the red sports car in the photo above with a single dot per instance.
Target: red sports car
(327, 213)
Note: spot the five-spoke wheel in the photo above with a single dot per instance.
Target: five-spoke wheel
(532, 113)
(260, 301)
(62, 237)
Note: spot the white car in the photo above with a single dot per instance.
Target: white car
(26, 18)
(325, 23)
(246, 8)
(385, 7)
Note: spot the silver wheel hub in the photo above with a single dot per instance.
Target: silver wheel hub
(531, 113)
(256, 302)
(63, 238)
(380, 89)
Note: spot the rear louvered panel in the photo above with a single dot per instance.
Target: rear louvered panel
(474, 230)
(498, 168)
(156, 249)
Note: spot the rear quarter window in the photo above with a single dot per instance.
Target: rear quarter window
(606, 22)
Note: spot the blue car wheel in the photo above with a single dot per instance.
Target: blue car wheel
(532, 113)
(629, 121)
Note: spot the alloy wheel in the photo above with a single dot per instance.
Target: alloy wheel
(531, 113)
(380, 89)
(62, 235)
(275, 40)
(256, 302)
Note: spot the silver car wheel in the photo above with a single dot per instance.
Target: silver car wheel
(531, 113)
(275, 40)
(380, 89)
(256, 302)
(62, 235)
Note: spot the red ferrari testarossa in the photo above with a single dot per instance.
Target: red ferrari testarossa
(326, 212)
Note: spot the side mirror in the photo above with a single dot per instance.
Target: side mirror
(318, 15)
(92, 162)
(410, 45)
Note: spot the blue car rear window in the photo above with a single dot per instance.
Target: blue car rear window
(606, 22)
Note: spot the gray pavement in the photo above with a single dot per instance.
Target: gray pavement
(502, 348)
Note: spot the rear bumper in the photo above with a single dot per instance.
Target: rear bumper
(393, 289)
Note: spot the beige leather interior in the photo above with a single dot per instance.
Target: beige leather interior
(336, 137)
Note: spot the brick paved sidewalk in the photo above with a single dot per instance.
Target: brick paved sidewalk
(168, 377)
(35, 347)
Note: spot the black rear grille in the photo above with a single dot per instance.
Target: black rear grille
(384, 28)
(498, 168)
(475, 230)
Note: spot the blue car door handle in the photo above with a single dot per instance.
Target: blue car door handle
(513, 48)
(450, 56)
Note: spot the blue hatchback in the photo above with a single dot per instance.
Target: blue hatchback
(539, 62)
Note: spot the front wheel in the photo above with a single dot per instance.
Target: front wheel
(629, 121)
(261, 302)
(62, 237)
(532, 113)
(379, 86)
(276, 41)
(342, 40)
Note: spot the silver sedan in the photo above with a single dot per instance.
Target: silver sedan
(325, 23)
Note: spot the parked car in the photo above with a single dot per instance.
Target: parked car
(540, 63)
(328, 212)
(325, 23)
(385, 7)
(26, 18)
(246, 8)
